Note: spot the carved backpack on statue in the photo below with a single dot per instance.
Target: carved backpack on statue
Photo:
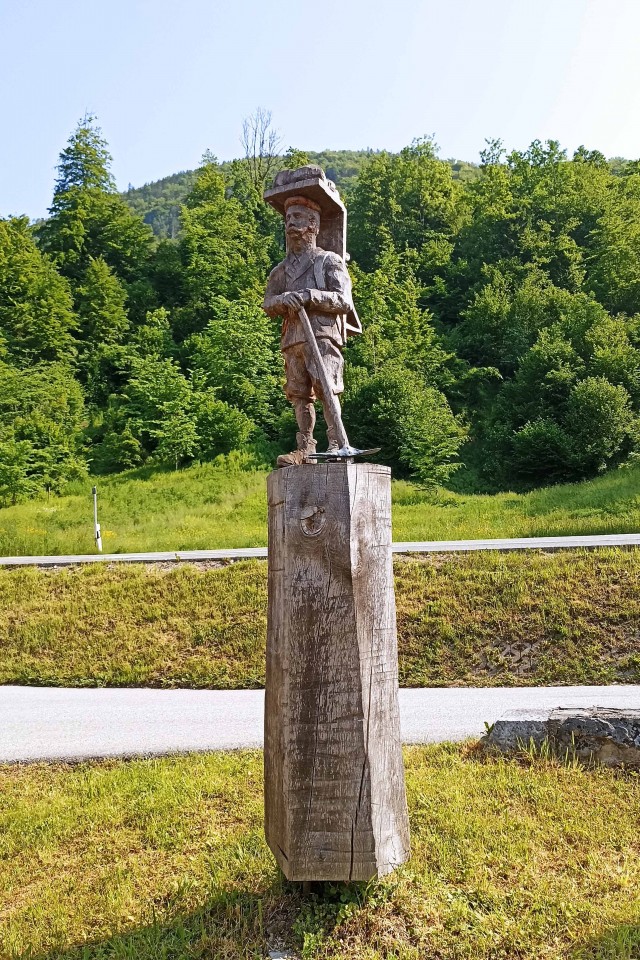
(351, 325)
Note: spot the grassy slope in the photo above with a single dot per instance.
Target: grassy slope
(488, 619)
(166, 860)
(205, 507)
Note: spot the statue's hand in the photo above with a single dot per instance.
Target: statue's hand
(292, 300)
(296, 299)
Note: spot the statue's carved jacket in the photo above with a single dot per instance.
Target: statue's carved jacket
(325, 275)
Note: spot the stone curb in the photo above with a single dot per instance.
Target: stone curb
(602, 735)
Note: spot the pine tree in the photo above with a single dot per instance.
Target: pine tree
(84, 164)
(88, 218)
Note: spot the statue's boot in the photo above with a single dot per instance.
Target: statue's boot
(334, 446)
(334, 422)
(305, 451)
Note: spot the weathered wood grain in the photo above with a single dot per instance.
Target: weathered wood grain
(335, 805)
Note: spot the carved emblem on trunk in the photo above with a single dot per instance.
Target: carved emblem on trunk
(312, 521)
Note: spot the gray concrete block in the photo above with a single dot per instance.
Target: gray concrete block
(518, 729)
(603, 735)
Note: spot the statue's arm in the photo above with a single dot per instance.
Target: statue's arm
(337, 297)
(273, 296)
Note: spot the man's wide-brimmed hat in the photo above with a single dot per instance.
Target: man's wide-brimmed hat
(300, 201)
(310, 182)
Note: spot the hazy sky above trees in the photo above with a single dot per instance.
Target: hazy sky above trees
(168, 81)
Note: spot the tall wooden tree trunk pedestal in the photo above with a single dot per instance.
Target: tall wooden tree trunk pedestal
(334, 779)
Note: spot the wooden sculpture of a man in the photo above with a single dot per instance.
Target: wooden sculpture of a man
(316, 280)
(335, 802)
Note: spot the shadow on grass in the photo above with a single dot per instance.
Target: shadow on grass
(233, 925)
(239, 924)
(244, 924)
(619, 943)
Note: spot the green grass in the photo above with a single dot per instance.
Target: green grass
(206, 507)
(166, 860)
(481, 619)
(144, 510)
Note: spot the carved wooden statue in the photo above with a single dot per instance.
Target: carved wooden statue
(335, 804)
(312, 288)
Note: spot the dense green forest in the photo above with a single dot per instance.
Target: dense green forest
(501, 307)
(160, 203)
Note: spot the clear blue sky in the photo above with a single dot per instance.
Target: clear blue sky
(170, 79)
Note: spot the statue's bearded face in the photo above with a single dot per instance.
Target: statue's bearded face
(301, 226)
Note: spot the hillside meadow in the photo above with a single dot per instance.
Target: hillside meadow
(220, 505)
(487, 619)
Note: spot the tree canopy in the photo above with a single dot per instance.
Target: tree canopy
(500, 304)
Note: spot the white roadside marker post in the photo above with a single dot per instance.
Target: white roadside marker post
(98, 535)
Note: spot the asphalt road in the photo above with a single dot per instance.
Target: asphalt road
(590, 542)
(52, 723)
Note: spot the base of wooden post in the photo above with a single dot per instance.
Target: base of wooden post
(335, 804)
